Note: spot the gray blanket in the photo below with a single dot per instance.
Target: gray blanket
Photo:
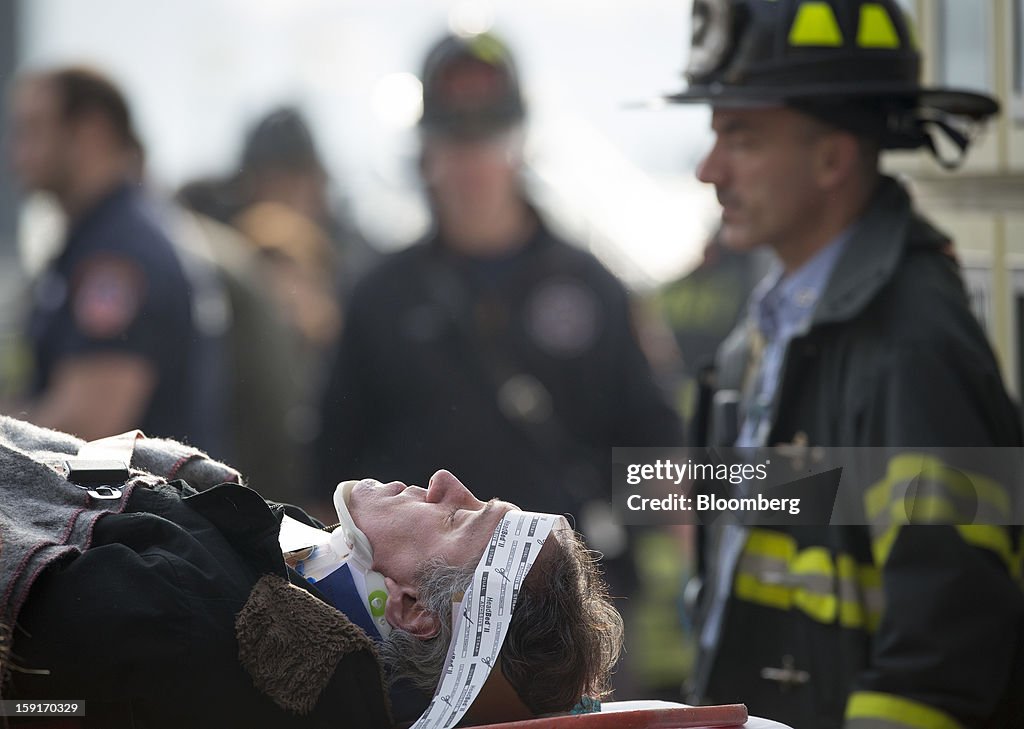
(43, 517)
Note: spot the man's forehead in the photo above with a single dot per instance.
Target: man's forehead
(35, 94)
(728, 119)
(35, 84)
(27, 89)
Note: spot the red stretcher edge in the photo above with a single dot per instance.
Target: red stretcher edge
(726, 716)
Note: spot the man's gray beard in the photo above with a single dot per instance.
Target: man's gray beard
(420, 662)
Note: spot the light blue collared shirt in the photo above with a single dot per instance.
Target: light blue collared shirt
(781, 307)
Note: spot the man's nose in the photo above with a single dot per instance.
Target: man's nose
(710, 169)
(444, 487)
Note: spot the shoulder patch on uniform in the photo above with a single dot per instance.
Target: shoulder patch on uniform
(107, 292)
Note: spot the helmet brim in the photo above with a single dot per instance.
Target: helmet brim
(950, 101)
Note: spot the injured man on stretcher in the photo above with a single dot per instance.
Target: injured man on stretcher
(169, 595)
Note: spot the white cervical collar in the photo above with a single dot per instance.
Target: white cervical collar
(330, 550)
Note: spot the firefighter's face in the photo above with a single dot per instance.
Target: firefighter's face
(472, 177)
(408, 525)
(764, 171)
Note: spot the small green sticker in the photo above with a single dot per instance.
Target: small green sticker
(378, 599)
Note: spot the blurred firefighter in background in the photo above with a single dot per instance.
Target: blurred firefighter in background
(682, 325)
(118, 331)
(493, 346)
(279, 221)
(700, 309)
(861, 336)
(280, 197)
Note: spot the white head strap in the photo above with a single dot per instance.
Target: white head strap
(482, 618)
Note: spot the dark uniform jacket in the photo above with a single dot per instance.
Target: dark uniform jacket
(168, 607)
(517, 373)
(891, 626)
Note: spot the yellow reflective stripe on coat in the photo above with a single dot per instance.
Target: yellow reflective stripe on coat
(936, 480)
(815, 25)
(944, 495)
(763, 550)
(773, 573)
(993, 538)
(876, 710)
(996, 539)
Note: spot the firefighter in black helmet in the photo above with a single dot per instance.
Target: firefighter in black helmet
(861, 337)
(470, 88)
(854, 64)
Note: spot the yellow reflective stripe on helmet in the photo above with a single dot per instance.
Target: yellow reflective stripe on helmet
(815, 25)
(875, 709)
(773, 573)
(487, 48)
(876, 29)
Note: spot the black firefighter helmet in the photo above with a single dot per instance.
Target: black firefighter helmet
(853, 63)
(470, 87)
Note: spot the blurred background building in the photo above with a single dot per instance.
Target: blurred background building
(978, 45)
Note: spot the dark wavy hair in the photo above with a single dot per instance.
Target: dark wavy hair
(564, 639)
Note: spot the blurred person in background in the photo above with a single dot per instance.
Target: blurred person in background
(492, 346)
(115, 329)
(681, 325)
(281, 174)
(900, 615)
(282, 187)
(685, 322)
(700, 309)
(261, 390)
(278, 205)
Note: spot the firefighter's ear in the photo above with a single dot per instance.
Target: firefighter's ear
(405, 611)
(836, 158)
